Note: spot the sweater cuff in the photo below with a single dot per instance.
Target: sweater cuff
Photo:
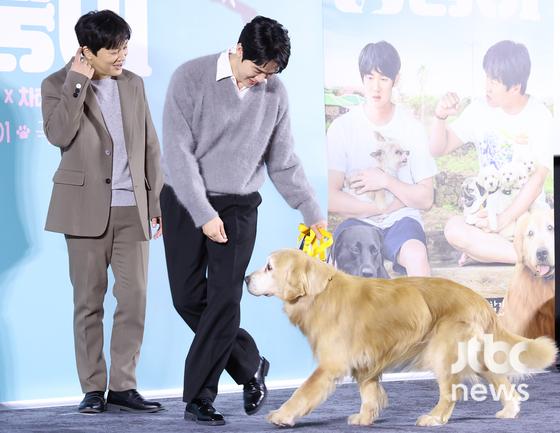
(311, 212)
(203, 215)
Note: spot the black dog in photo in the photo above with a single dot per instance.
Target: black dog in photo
(357, 250)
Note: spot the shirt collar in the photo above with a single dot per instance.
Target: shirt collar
(223, 69)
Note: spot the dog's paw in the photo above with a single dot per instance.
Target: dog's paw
(428, 420)
(509, 411)
(360, 419)
(277, 417)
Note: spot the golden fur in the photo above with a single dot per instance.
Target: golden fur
(528, 308)
(363, 326)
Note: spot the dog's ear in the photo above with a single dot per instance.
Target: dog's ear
(295, 286)
(318, 276)
(481, 189)
(519, 238)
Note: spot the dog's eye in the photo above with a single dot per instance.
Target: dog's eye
(550, 227)
(531, 233)
(268, 267)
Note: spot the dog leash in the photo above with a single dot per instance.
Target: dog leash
(312, 246)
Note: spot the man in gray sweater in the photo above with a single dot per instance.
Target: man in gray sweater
(225, 121)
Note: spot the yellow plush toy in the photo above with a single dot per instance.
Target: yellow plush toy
(313, 246)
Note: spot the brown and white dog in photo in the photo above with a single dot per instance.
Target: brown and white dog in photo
(390, 157)
(528, 308)
(364, 326)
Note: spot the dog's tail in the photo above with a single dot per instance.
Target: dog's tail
(526, 355)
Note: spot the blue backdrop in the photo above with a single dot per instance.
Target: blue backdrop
(36, 39)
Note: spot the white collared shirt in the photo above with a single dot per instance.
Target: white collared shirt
(223, 70)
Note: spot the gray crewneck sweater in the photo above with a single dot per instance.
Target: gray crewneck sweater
(107, 95)
(217, 143)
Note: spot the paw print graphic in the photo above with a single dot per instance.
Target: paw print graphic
(23, 132)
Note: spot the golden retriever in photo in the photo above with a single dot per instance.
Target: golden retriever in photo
(364, 326)
(528, 307)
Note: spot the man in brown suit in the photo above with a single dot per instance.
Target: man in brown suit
(106, 191)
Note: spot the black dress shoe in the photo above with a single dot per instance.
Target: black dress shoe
(254, 391)
(201, 411)
(93, 402)
(131, 401)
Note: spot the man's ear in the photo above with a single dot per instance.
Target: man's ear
(516, 88)
(239, 50)
(396, 80)
(87, 52)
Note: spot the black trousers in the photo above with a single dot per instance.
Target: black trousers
(206, 280)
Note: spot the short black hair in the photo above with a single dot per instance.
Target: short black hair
(509, 63)
(265, 40)
(102, 29)
(381, 57)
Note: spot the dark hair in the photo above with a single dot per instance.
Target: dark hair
(102, 29)
(509, 63)
(265, 40)
(381, 57)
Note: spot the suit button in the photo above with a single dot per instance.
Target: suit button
(107, 152)
(107, 180)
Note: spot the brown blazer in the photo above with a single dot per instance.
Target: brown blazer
(81, 197)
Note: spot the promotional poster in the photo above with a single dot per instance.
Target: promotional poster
(441, 49)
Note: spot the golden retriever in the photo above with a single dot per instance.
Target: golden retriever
(363, 326)
(528, 308)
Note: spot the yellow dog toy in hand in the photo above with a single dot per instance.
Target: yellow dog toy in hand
(313, 246)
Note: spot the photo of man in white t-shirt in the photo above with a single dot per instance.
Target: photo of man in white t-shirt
(357, 142)
(510, 130)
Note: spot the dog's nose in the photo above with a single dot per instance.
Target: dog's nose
(542, 254)
(247, 279)
(367, 273)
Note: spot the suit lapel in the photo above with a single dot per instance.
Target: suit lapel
(94, 110)
(126, 94)
(91, 104)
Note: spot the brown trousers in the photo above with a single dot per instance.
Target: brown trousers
(124, 247)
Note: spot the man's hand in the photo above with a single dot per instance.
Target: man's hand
(483, 224)
(80, 65)
(319, 225)
(482, 221)
(156, 221)
(447, 106)
(214, 230)
(372, 179)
